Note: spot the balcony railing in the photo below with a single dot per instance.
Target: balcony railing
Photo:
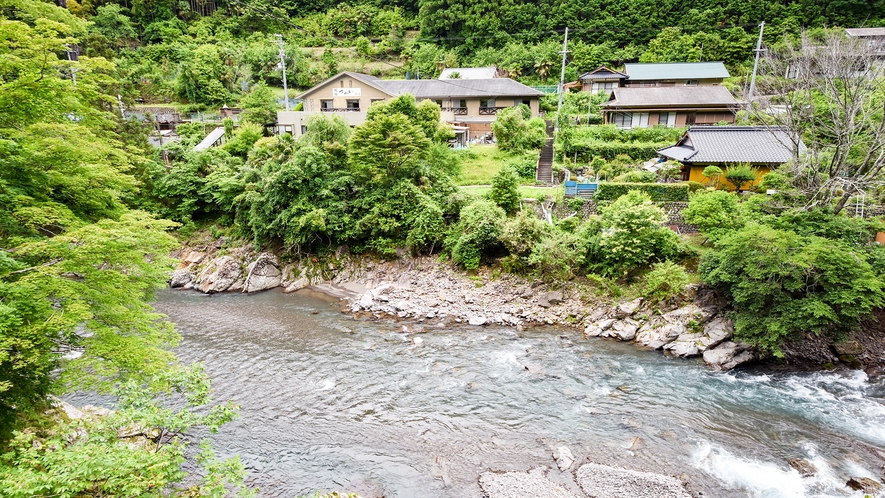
(340, 109)
(487, 111)
(457, 111)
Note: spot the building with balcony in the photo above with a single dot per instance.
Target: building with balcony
(654, 74)
(469, 104)
(638, 107)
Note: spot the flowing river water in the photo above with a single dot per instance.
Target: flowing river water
(329, 402)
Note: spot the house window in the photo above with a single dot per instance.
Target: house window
(342, 83)
(462, 103)
(326, 105)
(528, 103)
(439, 103)
(350, 83)
(484, 104)
(303, 129)
(691, 82)
(623, 119)
(667, 119)
(353, 104)
(604, 86)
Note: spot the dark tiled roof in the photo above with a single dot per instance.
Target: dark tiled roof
(673, 96)
(675, 70)
(428, 89)
(733, 144)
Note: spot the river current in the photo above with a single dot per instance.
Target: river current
(329, 402)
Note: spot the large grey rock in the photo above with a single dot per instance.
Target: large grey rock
(180, 278)
(366, 301)
(263, 274)
(297, 285)
(596, 329)
(220, 274)
(624, 330)
(869, 486)
(685, 345)
(602, 481)
(853, 348)
(564, 458)
(728, 355)
(626, 309)
(531, 484)
(719, 330)
(656, 334)
(477, 320)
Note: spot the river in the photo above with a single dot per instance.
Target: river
(329, 402)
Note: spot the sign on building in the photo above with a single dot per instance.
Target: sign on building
(345, 92)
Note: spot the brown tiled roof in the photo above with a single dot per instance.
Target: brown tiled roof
(673, 96)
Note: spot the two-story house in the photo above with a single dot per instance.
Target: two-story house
(470, 104)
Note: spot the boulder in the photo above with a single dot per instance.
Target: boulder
(624, 330)
(728, 355)
(554, 297)
(656, 335)
(803, 467)
(220, 274)
(366, 301)
(297, 285)
(191, 258)
(596, 329)
(717, 331)
(626, 309)
(180, 278)
(685, 345)
(263, 274)
(869, 486)
(852, 348)
(564, 458)
(477, 320)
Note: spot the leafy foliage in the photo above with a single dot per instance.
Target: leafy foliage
(659, 192)
(505, 190)
(783, 284)
(517, 131)
(715, 213)
(665, 280)
(476, 234)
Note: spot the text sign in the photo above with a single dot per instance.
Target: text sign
(345, 92)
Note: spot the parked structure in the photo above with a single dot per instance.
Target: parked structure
(638, 107)
(470, 104)
(762, 147)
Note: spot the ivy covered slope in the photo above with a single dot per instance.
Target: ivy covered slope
(77, 266)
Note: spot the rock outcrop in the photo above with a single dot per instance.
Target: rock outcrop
(263, 274)
(219, 275)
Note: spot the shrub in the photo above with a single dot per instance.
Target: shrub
(783, 284)
(664, 281)
(524, 166)
(520, 233)
(740, 175)
(556, 256)
(632, 235)
(476, 234)
(658, 192)
(638, 176)
(505, 190)
(712, 174)
(715, 213)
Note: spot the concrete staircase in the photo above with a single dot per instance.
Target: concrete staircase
(544, 170)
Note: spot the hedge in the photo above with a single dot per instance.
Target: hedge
(659, 192)
(639, 151)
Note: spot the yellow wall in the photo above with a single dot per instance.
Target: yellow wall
(696, 175)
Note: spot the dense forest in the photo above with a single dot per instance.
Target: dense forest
(89, 209)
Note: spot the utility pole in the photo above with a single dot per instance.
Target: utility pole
(755, 66)
(283, 66)
(69, 51)
(562, 77)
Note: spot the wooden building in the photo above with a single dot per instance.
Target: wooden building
(638, 107)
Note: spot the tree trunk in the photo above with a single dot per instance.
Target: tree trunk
(842, 201)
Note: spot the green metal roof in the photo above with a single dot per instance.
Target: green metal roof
(675, 71)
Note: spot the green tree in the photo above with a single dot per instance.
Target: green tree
(516, 130)
(712, 174)
(783, 284)
(113, 24)
(259, 106)
(476, 233)
(715, 213)
(387, 148)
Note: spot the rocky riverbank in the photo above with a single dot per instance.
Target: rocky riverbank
(427, 292)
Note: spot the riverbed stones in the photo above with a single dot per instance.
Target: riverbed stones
(728, 355)
(531, 484)
(655, 334)
(624, 330)
(685, 345)
(477, 320)
(263, 274)
(596, 329)
(564, 458)
(603, 481)
(220, 274)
